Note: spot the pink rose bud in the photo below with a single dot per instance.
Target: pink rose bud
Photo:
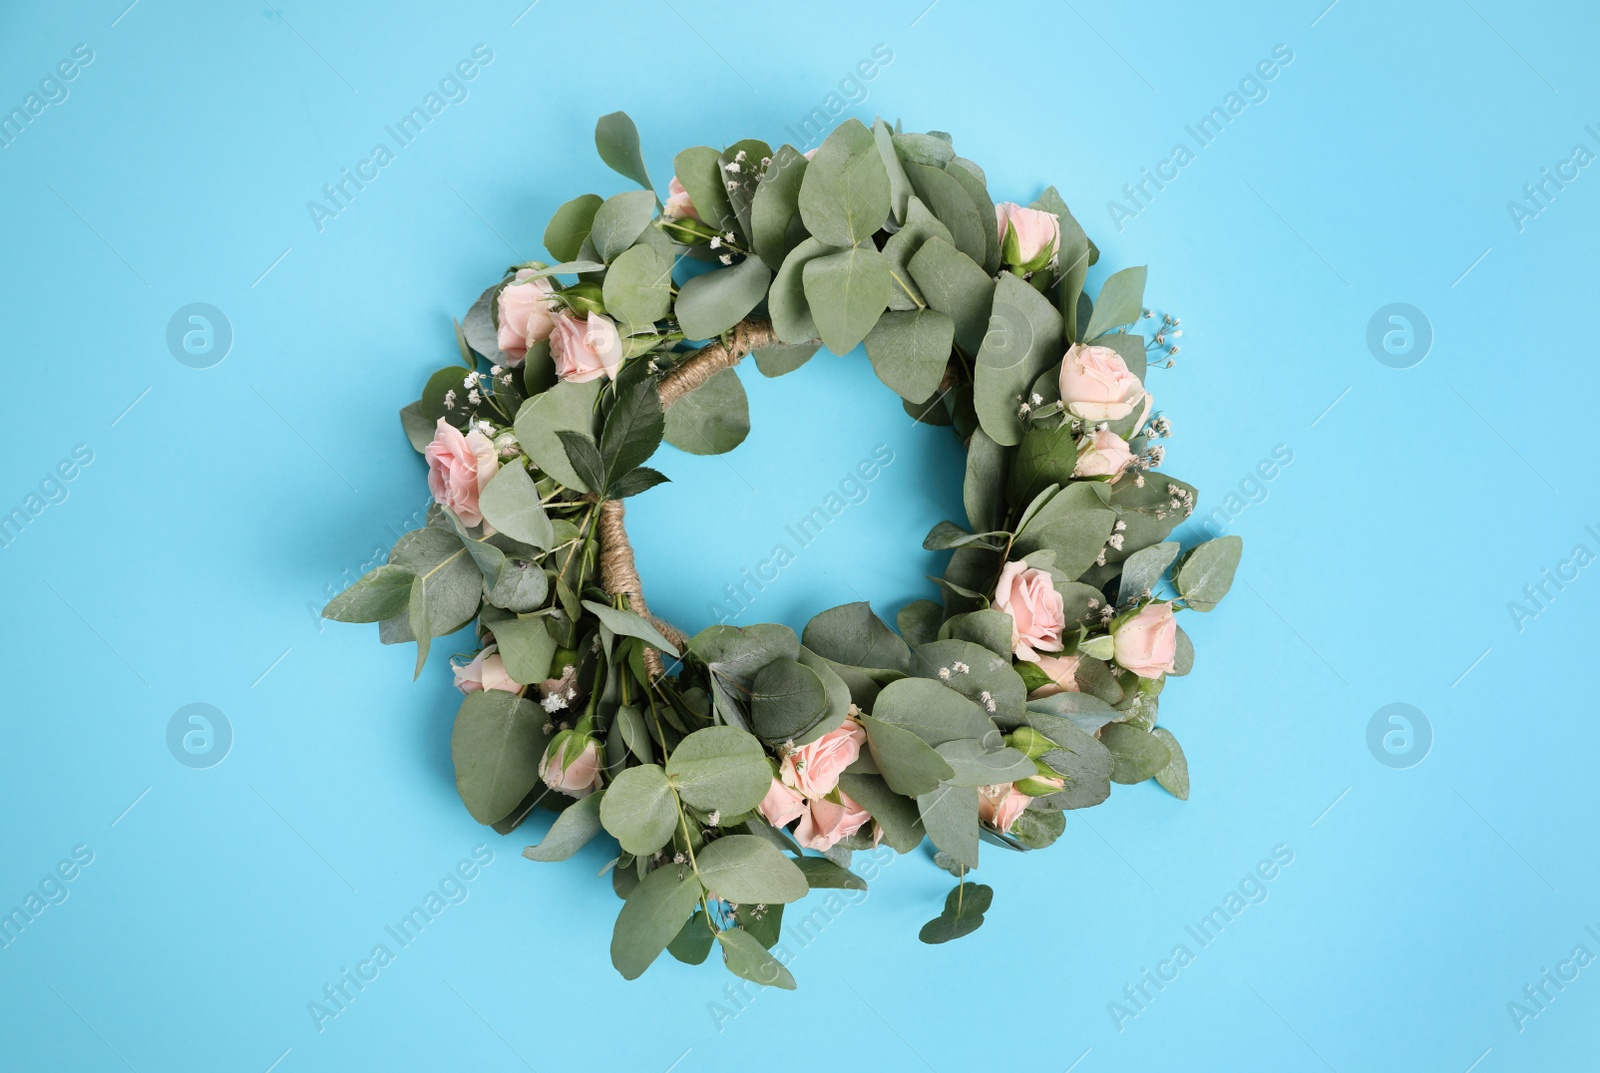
(1147, 643)
(810, 154)
(1097, 385)
(1063, 672)
(825, 823)
(1038, 786)
(585, 350)
(1037, 613)
(814, 769)
(1029, 238)
(1102, 454)
(782, 806)
(678, 206)
(458, 468)
(582, 776)
(486, 671)
(527, 314)
(1000, 805)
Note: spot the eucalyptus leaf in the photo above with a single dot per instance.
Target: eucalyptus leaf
(510, 503)
(1023, 340)
(749, 869)
(920, 225)
(950, 815)
(619, 222)
(1137, 754)
(525, 647)
(918, 621)
(846, 292)
(574, 827)
(957, 286)
(947, 198)
(821, 874)
(699, 171)
(630, 624)
(932, 712)
(714, 302)
(781, 358)
(652, 917)
(496, 745)
(845, 193)
(895, 814)
(569, 406)
(1206, 574)
(853, 635)
(380, 594)
(570, 226)
(637, 289)
(747, 959)
(787, 700)
(1143, 570)
(639, 809)
(907, 763)
(712, 419)
(792, 318)
(1174, 778)
(617, 140)
(776, 203)
(720, 769)
(910, 350)
(1121, 302)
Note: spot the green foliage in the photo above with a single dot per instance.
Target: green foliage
(888, 239)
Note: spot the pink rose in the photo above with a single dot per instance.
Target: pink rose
(458, 468)
(1000, 805)
(527, 314)
(585, 350)
(825, 823)
(810, 154)
(781, 806)
(814, 769)
(1035, 607)
(1063, 672)
(1102, 454)
(577, 779)
(678, 206)
(1029, 237)
(486, 671)
(1096, 384)
(1147, 643)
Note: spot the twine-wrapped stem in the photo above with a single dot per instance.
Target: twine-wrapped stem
(619, 574)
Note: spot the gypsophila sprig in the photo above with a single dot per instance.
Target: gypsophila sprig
(746, 776)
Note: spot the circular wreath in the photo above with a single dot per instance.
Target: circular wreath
(1026, 691)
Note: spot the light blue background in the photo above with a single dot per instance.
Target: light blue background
(228, 503)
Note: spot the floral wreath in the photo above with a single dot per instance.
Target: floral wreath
(1026, 691)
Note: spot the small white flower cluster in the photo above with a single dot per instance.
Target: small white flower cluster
(559, 700)
(957, 667)
(988, 702)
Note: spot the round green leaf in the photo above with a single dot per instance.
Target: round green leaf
(712, 419)
(710, 304)
(496, 745)
(639, 809)
(652, 917)
(637, 289)
(1136, 754)
(844, 196)
(787, 701)
(720, 769)
(748, 868)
